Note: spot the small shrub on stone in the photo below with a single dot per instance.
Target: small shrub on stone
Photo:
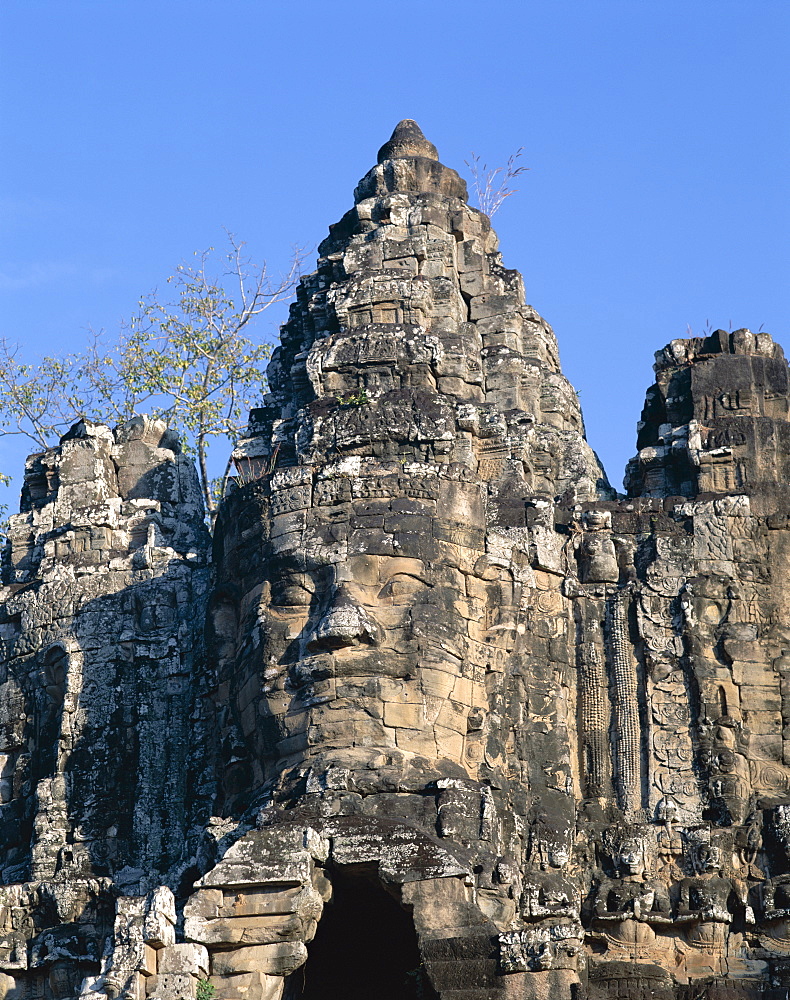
(205, 990)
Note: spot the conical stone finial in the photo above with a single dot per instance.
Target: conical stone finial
(413, 342)
(407, 140)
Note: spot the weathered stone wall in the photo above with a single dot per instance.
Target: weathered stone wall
(105, 575)
(463, 723)
(716, 420)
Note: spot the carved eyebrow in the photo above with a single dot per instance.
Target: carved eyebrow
(284, 565)
(285, 583)
(408, 576)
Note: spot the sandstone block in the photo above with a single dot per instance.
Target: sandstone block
(408, 716)
(171, 987)
(249, 986)
(270, 959)
(245, 930)
(204, 904)
(416, 741)
(188, 958)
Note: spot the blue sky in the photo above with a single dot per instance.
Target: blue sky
(656, 133)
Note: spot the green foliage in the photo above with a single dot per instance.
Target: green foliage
(186, 360)
(418, 982)
(205, 990)
(4, 481)
(40, 401)
(355, 399)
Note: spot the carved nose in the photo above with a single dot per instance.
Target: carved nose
(345, 623)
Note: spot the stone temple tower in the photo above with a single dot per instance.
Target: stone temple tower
(442, 716)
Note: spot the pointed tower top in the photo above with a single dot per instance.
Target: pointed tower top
(407, 140)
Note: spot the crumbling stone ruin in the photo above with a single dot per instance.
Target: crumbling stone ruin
(440, 715)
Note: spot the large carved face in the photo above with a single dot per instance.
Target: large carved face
(376, 621)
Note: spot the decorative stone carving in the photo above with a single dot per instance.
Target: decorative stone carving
(631, 910)
(707, 903)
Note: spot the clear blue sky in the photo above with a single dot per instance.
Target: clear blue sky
(656, 133)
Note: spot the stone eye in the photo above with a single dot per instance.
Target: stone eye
(402, 586)
(290, 594)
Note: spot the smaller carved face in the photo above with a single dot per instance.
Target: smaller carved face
(558, 855)
(550, 839)
(630, 861)
(708, 858)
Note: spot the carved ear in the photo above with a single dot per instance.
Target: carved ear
(55, 664)
(222, 625)
(484, 570)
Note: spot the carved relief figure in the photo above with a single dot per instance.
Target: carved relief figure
(774, 892)
(631, 909)
(707, 904)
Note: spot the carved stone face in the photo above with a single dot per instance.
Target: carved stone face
(629, 859)
(666, 810)
(708, 858)
(375, 625)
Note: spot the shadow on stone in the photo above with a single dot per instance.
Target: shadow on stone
(365, 946)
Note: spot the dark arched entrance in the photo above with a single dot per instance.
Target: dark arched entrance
(365, 946)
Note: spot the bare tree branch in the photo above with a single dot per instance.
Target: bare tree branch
(492, 186)
(185, 359)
